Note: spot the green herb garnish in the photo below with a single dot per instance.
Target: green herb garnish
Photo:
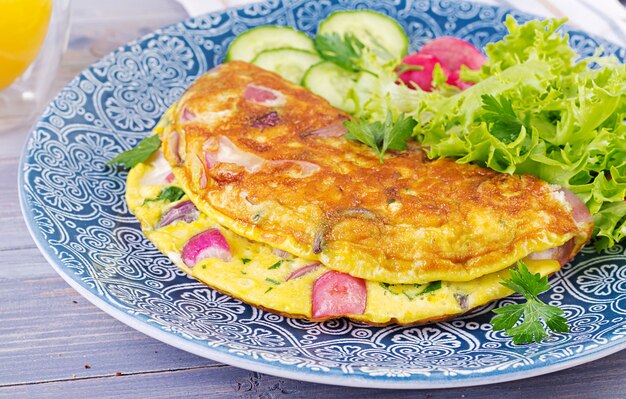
(533, 310)
(345, 51)
(140, 153)
(245, 260)
(272, 281)
(390, 135)
(275, 265)
(505, 125)
(171, 194)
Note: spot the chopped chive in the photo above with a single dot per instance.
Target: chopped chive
(245, 260)
(434, 286)
(275, 265)
(272, 281)
(268, 290)
(242, 272)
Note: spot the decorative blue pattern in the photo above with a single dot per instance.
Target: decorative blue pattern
(74, 206)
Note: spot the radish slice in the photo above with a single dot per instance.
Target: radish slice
(208, 244)
(562, 254)
(454, 52)
(580, 212)
(264, 96)
(336, 129)
(185, 211)
(338, 294)
(304, 270)
(424, 77)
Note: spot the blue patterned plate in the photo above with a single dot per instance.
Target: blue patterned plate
(74, 206)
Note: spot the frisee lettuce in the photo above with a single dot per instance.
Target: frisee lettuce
(536, 108)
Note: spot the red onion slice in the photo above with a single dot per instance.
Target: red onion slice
(184, 211)
(281, 254)
(270, 119)
(338, 294)
(304, 270)
(173, 147)
(229, 153)
(208, 244)
(187, 115)
(336, 129)
(264, 96)
(170, 177)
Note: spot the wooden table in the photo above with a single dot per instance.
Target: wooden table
(53, 343)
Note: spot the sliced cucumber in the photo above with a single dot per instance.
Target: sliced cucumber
(289, 63)
(380, 33)
(250, 43)
(332, 82)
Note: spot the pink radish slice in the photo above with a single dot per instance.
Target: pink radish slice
(304, 270)
(338, 294)
(185, 211)
(208, 244)
(336, 129)
(259, 94)
(562, 253)
(454, 52)
(580, 212)
(424, 77)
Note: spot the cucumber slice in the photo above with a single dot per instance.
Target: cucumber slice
(380, 33)
(289, 63)
(332, 82)
(250, 43)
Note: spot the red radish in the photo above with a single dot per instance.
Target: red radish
(454, 52)
(185, 211)
(208, 244)
(561, 254)
(424, 77)
(580, 212)
(304, 270)
(338, 294)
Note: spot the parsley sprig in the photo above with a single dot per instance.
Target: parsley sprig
(390, 135)
(533, 310)
(505, 125)
(345, 51)
(140, 153)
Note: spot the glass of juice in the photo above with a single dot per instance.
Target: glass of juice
(33, 36)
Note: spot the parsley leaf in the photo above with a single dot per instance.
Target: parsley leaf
(140, 153)
(345, 51)
(275, 265)
(533, 310)
(171, 194)
(381, 137)
(505, 125)
(245, 260)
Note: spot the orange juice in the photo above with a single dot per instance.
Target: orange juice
(23, 26)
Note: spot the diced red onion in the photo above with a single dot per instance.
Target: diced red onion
(159, 172)
(230, 153)
(270, 119)
(336, 129)
(184, 211)
(304, 270)
(173, 147)
(208, 244)
(187, 115)
(281, 254)
(338, 294)
(264, 96)
(170, 177)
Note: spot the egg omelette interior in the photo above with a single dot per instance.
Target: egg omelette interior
(260, 275)
(267, 160)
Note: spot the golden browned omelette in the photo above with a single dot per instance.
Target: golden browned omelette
(266, 159)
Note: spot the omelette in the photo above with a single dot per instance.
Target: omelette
(267, 160)
(276, 281)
